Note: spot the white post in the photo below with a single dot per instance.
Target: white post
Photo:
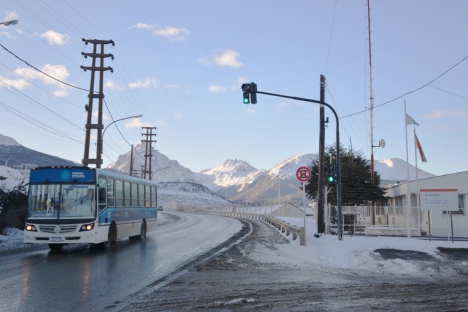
(408, 231)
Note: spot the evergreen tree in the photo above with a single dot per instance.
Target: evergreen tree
(356, 186)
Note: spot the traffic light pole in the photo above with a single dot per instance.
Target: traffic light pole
(338, 160)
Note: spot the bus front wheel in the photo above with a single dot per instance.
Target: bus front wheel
(111, 238)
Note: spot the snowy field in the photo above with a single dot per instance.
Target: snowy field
(354, 252)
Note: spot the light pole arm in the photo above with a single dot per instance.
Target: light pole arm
(104, 132)
(338, 182)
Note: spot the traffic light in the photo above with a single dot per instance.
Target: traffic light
(250, 92)
(331, 174)
(246, 97)
(253, 92)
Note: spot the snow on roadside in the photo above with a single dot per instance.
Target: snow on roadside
(9, 179)
(12, 239)
(353, 252)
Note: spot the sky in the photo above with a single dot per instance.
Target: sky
(181, 65)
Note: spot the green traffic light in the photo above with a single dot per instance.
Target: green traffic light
(331, 179)
(246, 100)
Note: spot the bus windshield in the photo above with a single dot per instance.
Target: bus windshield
(61, 201)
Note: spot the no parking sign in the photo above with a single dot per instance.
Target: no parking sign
(303, 174)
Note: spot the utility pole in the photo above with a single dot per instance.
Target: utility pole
(98, 95)
(321, 164)
(148, 152)
(131, 160)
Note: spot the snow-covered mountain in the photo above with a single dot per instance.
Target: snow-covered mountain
(163, 169)
(288, 167)
(234, 172)
(186, 194)
(395, 169)
(6, 140)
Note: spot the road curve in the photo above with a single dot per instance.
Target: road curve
(80, 279)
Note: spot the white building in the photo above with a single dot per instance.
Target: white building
(440, 222)
(25, 170)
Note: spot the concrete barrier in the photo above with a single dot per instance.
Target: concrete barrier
(280, 225)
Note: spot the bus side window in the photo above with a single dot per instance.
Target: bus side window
(110, 193)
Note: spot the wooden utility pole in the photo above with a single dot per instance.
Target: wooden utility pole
(148, 152)
(321, 163)
(95, 95)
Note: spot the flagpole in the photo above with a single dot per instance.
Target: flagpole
(417, 184)
(408, 232)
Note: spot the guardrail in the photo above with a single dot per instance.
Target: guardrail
(285, 228)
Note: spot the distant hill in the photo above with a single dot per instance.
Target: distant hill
(13, 153)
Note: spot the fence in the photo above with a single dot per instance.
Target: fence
(285, 228)
(388, 220)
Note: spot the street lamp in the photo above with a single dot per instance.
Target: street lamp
(7, 23)
(151, 178)
(104, 132)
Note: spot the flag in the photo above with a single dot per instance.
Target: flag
(419, 147)
(410, 121)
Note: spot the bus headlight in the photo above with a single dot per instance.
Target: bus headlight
(30, 228)
(87, 227)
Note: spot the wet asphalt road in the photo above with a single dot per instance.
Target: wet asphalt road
(80, 279)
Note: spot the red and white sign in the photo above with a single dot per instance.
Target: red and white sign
(303, 174)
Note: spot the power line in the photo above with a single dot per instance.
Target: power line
(115, 123)
(35, 122)
(407, 93)
(44, 107)
(50, 46)
(449, 92)
(45, 23)
(41, 70)
(39, 86)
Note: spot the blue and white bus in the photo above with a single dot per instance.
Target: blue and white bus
(71, 205)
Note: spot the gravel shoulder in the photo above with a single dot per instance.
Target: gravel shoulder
(233, 281)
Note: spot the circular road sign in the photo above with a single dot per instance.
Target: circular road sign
(303, 174)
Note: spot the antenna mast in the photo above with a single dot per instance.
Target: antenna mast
(371, 96)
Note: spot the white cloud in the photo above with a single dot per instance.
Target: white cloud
(59, 72)
(111, 85)
(172, 86)
(281, 107)
(204, 61)
(138, 123)
(54, 37)
(237, 85)
(149, 82)
(142, 26)
(19, 84)
(7, 34)
(439, 114)
(95, 115)
(250, 111)
(216, 88)
(228, 58)
(177, 114)
(10, 15)
(172, 33)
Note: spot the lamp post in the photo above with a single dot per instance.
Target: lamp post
(151, 178)
(7, 23)
(104, 132)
